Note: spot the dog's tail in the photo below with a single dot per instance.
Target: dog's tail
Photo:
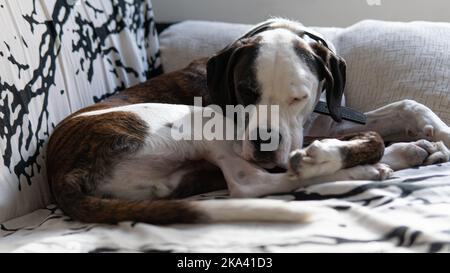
(93, 209)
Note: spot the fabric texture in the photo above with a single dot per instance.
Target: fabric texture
(408, 213)
(55, 58)
(389, 61)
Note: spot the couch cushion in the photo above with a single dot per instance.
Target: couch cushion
(389, 61)
(55, 58)
(183, 42)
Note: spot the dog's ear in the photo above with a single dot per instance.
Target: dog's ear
(219, 68)
(333, 69)
(219, 76)
(220, 73)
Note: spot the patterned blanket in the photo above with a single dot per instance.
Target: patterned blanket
(408, 213)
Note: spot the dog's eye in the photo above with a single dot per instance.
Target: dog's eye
(296, 100)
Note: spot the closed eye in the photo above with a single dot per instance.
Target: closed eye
(296, 100)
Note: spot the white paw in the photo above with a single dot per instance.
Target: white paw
(319, 158)
(317, 152)
(423, 152)
(437, 152)
(382, 171)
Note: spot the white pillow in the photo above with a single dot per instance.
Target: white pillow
(189, 40)
(390, 61)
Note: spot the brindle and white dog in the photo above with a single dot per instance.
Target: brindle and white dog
(117, 161)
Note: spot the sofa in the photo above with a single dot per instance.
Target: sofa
(61, 56)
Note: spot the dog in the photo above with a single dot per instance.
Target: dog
(117, 160)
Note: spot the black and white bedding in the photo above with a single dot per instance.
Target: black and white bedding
(408, 213)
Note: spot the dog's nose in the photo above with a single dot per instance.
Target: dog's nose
(258, 141)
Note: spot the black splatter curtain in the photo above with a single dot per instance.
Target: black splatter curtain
(55, 58)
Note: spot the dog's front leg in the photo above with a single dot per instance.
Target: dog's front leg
(354, 157)
(322, 159)
(245, 179)
(376, 172)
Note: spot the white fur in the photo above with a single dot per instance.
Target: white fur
(322, 157)
(283, 76)
(261, 210)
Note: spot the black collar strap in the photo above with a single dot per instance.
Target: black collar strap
(346, 112)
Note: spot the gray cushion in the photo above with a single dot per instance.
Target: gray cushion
(387, 61)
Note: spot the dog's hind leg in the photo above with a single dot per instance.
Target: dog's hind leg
(411, 154)
(404, 121)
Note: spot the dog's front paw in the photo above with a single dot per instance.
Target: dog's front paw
(319, 158)
(382, 171)
(378, 171)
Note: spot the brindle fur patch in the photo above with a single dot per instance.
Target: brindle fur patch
(369, 152)
(82, 150)
(203, 178)
(178, 87)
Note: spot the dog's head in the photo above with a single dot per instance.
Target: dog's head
(277, 63)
